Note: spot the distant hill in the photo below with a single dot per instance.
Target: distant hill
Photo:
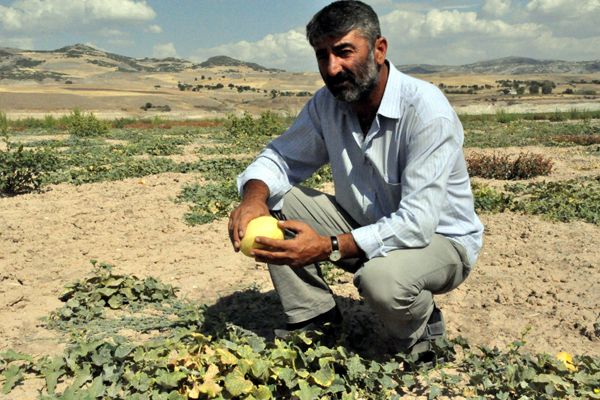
(69, 61)
(80, 60)
(224, 61)
(508, 66)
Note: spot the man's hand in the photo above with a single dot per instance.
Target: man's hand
(253, 205)
(306, 248)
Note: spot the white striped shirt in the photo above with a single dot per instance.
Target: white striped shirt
(403, 181)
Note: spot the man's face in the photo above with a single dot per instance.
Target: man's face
(347, 66)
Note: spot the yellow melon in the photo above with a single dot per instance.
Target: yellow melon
(262, 226)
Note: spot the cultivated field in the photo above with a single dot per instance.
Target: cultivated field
(150, 197)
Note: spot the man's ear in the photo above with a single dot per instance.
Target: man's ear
(380, 50)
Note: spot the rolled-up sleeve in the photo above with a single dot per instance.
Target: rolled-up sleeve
(431, 152)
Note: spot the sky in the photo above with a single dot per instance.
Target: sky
(271, 32)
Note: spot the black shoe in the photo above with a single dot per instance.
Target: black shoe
(423, 352)
(331, 319)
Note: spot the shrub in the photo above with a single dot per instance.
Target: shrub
(22, 171)
(534, 88)
(489, 199)
(80, 124)
(582, 140)
(494, 166)
(253, 133)
(209, 202)
(504, 117)
(561, 201)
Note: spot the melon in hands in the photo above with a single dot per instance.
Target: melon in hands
(262, 226)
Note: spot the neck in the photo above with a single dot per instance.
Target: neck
(367, 108)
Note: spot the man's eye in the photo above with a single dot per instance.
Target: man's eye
(321, 55)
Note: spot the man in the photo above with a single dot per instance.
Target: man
(402, 217)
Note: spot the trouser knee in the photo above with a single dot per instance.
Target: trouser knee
(390, 298)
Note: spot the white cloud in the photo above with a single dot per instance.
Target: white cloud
(289, 50)
(53, 15)
(454, 37)
(154, 29)
(443, 24)
(564, 8)
(111, 32)
(565, 18)
(164, 50)
(496, 8)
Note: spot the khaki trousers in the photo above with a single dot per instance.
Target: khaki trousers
(398, 287)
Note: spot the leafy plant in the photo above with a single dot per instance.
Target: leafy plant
(490, 200)
(562, 201)
(582, 140)
(82, 125)
(251, 133)
(186, 363)
(21, 170)
(209, 201)
(494, 166)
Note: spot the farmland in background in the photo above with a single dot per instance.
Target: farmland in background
(169, 311)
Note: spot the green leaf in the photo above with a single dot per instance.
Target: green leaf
(82, 376)
(12, 375)
(306, 391)
(287, 375)
(96, 389)
(124, 350)
(115, 302)
(236, 384)
(107, 292)
(211, 388)
(324, 377)
(113, 282)
(262, 392)
(260, 369)
(170, 380)
(355, 366)
(52, 371)
(11, 355)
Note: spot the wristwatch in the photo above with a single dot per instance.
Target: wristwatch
(335, 254)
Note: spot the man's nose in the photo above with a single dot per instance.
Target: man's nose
(334, 66)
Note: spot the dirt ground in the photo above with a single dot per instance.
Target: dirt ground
(533, 275)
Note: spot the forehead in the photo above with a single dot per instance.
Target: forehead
(353, 38)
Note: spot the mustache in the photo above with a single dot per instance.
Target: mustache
(341, 77)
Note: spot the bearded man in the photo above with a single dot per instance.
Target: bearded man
(402, 217)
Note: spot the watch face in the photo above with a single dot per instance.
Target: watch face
(335, 255)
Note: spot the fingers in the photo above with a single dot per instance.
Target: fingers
(292, 225)
(233, 230)
(239, 219)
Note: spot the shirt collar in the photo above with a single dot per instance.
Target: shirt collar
(391, 100)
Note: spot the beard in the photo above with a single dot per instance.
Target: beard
(352, 86)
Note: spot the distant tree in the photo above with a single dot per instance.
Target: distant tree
(534, 88)
(521, 90)
(547, 87)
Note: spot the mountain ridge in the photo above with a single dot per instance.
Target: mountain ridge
(55, 64)
(511, 65)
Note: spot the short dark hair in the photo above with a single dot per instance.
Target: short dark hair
(340, 17)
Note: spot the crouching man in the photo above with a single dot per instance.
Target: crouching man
(402, 217)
